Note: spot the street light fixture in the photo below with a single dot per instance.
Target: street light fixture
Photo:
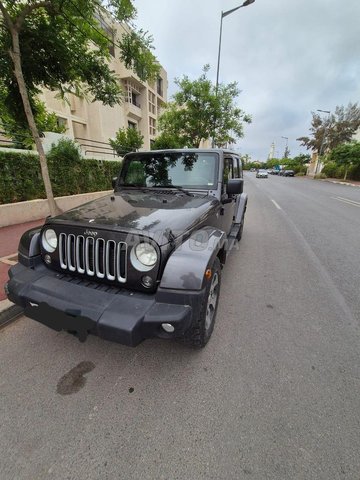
(286, 146)
(225, 14)
(322, 141)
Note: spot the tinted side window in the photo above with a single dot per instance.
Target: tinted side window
(237, 168)
(228, 169)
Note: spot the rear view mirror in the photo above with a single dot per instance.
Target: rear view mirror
(235, 186)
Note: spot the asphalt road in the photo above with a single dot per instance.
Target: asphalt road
(274, 395)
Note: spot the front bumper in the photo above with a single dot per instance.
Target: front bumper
(68, 303)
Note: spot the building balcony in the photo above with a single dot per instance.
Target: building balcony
(133, 110)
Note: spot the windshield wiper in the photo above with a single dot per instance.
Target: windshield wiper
(177, 187)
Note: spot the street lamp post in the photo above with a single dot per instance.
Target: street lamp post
(322, 141)
(286, 146)
(225, 14)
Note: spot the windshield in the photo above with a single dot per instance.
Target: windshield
(185, 169)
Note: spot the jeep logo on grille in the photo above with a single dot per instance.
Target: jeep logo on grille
(90, 232)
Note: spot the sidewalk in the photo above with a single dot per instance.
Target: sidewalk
(9, 241)
(350, 183)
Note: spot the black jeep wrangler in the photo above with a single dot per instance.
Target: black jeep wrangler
(142, 262)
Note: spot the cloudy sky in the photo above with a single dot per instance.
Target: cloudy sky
(289, 57)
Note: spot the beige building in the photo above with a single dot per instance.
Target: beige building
(92, 124)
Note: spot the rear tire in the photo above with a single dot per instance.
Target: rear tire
(200, 331)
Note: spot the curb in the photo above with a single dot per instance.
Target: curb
(9, 312)
(338, 182)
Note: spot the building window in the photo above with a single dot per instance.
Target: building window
(61, 122)
(112, 46)
(152, 126)
(132, 94)
(132, 125)
(160, 86)
(152, 104)
(108, 31)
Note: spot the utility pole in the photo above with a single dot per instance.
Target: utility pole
(272, 151)
(225, 14)
(286, 152)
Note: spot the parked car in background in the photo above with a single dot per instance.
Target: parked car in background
(289, 173)
(262, 173)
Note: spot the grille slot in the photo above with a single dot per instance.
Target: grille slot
(96, 258)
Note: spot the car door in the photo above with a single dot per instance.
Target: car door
(239, 199)
(228, 202)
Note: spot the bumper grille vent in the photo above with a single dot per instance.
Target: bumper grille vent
(97, 258)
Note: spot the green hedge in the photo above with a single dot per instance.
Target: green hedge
(332, 170)
(20, 175)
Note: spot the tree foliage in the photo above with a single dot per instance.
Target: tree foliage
(346, 155)
(296, 162)
(127, 140)
(326, 133)
(21, 180)
(167, 141)
(19, 132)
(250, 165)
(273, 162)
(64, 46)
(197, 111)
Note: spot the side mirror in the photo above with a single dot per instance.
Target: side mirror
(113, 182)
(235, 186)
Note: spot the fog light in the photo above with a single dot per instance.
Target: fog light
(147, 281)
(47, 259)
(168, 327)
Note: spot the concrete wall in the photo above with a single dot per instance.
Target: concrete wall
(21, 212)
(18, 150)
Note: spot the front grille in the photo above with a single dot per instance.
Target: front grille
(97, 258)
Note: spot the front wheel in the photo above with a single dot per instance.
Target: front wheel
(200, 331)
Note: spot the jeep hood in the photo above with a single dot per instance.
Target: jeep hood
(149, 213)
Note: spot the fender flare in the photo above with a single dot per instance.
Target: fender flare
(241, 204)
(29, 247)
(186, 266)
(29, 244)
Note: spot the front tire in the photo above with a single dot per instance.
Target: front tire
(200, 331)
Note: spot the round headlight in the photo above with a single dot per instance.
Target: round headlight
(49, 240)
(143, 257)
(146, 254)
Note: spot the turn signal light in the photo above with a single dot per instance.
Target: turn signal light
(208, 274)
